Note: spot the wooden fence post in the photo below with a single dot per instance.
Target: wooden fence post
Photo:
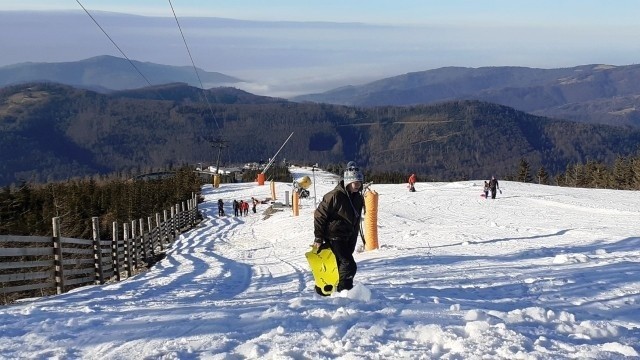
(97, 250)
(134, 243)
(192, 205)
(166, 225)
(178, 221)
(159, 225)
(174, 214)
(181, 214)
(184, 216)
(57, 255)
(188, 209)
(143, 241)
(127, 249)
(194, 211)
(197, 213)
(186, 206)
(114, 251)
(151, 239)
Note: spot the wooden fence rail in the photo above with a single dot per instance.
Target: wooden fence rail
(37, 265)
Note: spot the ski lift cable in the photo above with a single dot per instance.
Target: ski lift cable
(274, 156)
(194, 65)
(116, 45)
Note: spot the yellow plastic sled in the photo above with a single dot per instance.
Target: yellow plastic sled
(324, 268)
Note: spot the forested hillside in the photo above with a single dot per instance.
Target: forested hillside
(51, 131)
(600, 94)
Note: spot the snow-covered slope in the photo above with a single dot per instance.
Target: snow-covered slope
(539, 273)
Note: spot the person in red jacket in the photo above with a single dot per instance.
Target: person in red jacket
(245, 208)
(412, 181)
(240, 207)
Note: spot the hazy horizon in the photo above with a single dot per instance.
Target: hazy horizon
(292, 54)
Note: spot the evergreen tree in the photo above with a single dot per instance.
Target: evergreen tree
(524, 171)
(543, 176)
(635, 166)
(570, 177)
(597, 175)
(622, 175)
(579, 176)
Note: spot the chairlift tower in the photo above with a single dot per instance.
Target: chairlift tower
(220, 144)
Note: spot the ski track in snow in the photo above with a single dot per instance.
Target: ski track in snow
(539, 273)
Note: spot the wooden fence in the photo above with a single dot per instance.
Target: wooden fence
(38, 265)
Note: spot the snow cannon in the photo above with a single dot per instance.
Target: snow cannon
(301, 185)
(304, 182)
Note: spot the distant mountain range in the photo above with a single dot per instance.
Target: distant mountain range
(591, 93)
(598, 94)
(51, 132)
(108, 73)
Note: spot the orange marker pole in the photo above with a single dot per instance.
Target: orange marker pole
(295, 204)
(371, 220)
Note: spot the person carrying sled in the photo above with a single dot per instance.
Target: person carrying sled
(493, 186)
(412, 182)
(337, 223)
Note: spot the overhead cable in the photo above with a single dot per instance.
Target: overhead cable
(116, 45)
(194, 65)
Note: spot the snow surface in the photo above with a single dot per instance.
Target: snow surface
(540, 272)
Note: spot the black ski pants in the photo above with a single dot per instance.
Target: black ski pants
(343, 250)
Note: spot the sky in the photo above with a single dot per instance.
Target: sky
(387, 38)
(541, 272)
(543, 12)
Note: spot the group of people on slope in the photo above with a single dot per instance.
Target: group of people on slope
(491, 185)
(240, 208)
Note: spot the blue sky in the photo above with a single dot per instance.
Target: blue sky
(540, 12)
(389, 38)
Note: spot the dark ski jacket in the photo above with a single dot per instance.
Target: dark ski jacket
(493, 183)
(338, 215)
